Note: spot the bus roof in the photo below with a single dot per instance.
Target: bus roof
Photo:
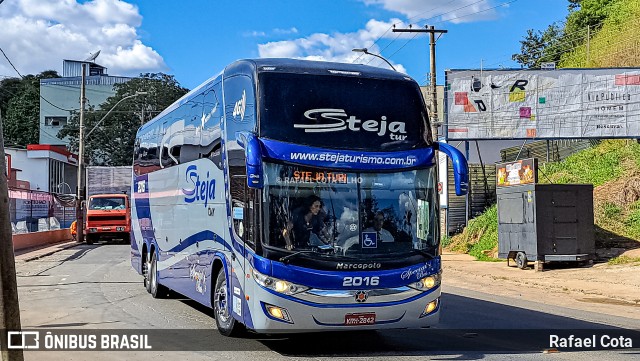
(317, 67)
(286, 65)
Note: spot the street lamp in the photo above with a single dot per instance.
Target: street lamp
(67, 184)
(110, 110)
(366, 51)
(81, 139)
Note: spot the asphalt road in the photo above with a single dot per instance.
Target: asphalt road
(94, 287)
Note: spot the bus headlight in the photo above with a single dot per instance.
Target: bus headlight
(427, 283)
(278, 285)
(430, 308)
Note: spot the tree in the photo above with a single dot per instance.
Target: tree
(550, 45)
(111, 143)
(21, 99)
(538, 47)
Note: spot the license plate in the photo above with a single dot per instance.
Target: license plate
(106, 228)
(355, 319)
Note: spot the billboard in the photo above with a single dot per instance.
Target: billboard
(518, 172)
(543, 104)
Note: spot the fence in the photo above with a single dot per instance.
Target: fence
(35, 211)
(482, 194)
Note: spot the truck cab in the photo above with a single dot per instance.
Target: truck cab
(108, 217)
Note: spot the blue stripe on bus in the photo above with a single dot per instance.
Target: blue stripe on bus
(334, 279)
(143, 209)
(198, 237)
(347, 159)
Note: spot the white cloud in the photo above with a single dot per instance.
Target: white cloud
(285, 31)
(435, 11)
(276, 31)
(335, 47)
(38, 34)
(338, 46)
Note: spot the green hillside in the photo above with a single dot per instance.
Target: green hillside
(597, 33)
(614, 42)
(613, 167)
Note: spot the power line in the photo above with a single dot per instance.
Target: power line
(413, 17)
(13, 66)
(22, 77)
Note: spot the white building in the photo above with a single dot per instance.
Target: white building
(46, 168)
(61, 96)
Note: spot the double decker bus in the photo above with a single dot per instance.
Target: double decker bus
(294, 196)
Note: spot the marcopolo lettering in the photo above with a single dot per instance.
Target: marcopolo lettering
(348, 266)
(334, 120)
(200, 190)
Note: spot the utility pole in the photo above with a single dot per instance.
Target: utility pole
(79, 195)
(9, 308)
(434, 93)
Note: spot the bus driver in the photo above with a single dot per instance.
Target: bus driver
(383, 234)
(307, 225)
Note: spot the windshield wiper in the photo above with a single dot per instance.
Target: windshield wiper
(324, 250)
(294, 255)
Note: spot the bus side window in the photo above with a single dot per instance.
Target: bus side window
(215, 154)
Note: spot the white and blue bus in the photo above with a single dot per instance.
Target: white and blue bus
(294, 196)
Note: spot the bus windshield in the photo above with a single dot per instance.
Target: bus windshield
(338, 214)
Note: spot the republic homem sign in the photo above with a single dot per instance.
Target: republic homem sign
(542, 104)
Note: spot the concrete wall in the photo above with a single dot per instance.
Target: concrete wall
(36, 239)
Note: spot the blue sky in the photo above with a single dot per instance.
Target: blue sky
(195, 39)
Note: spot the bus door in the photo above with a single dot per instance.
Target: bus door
(245, 213)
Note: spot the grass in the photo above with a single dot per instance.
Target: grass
(596, 165)
(608, 161)
(623, 260)
(480, 237)
(613, 45)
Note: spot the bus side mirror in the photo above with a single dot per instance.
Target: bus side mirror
(460, 167)
(253, 153)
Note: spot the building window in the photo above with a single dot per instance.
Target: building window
(56, 176)
(55, 121)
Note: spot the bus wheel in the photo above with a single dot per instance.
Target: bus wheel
(227, 325)
(521, 260)
(146, 265)
(156, 289)
(89, 239)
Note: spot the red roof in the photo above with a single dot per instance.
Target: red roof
(53, 148)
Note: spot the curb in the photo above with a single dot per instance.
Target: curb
(58, 248)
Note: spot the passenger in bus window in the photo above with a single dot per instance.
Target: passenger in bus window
(383, 234)
(306, 228)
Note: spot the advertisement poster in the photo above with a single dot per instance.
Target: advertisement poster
(523, 171)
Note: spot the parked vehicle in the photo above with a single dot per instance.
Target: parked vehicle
(108, 217)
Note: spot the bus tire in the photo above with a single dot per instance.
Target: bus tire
(157, 290)
(227, 325)
(89, 239)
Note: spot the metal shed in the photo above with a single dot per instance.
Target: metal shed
(545, 222)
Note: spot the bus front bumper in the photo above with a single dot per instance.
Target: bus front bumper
(274, 313)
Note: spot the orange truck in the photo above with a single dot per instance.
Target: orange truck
(108, 218)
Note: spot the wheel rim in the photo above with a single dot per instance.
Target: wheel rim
(145, 271)
(152, 276)
(220, 301)
(520, 260)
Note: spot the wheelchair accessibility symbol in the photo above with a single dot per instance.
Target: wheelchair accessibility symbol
(369, 240)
